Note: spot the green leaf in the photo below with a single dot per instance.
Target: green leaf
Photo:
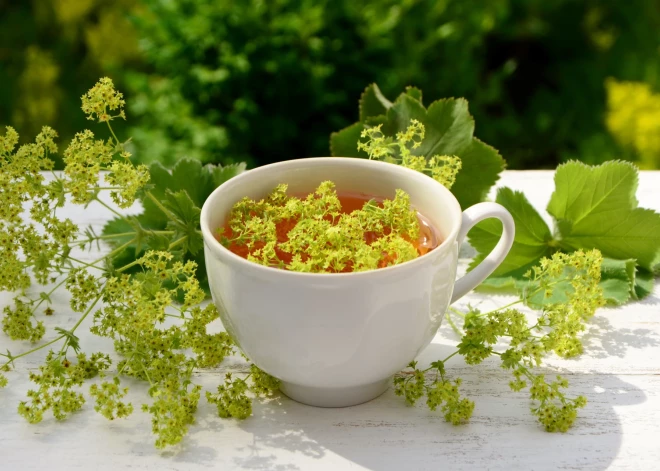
(186, 224)
(482, 165)
(501, 283)
(344, 143)
(581, 190)
(181, 191)
(615, 291)
(617, 280)
(644, 283)
(414, 92)
(399, 115)
(533, 239)
(121, 226)
(449, 130)
(373, 103)
(595, 207)
(71, 339)
(220, 174)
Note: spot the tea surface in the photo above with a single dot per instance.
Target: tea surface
(350, 201)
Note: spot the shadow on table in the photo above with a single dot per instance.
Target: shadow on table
(387, 434)
(602, 340)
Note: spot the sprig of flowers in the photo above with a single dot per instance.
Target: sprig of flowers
(400, 150)
(566, 291)
(128, 304)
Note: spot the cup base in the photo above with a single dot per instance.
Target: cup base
(334, 397)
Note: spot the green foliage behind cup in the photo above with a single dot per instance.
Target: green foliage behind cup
(262, 81)
(267, 81)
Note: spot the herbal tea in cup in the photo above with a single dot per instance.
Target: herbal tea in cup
(326, 231)
(333, 299)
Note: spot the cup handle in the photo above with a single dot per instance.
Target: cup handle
(472, 216)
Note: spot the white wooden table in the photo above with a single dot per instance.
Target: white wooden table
(619, 428)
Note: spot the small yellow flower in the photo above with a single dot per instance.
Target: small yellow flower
(101, 99)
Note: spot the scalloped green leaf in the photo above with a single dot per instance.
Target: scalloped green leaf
(414, 92)
(182, 190)
(373, 103)
(533, 239)
(344, 143)
(482, 165)
(595, 207)
(449, 130)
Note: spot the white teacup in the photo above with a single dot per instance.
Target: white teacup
(336, 339)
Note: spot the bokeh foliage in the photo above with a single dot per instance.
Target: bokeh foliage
(263, 81)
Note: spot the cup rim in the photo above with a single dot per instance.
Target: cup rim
(211, 243)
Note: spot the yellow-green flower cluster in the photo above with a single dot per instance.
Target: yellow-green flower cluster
(21, 182)
(99, 101)
(400, 150)
(133, 316)
(577, 277)
(444, 394)
(108, 396)
(84, 288)
(18, 323)
(129, 178)
(173, 410)
(323, 239)
(566, 289)
(555, 412)
(231, 399)
(84, 159)
(38, 245)
(633, 117)
(440, 393)
(56, 380)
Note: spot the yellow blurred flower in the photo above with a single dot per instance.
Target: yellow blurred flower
(633, 118)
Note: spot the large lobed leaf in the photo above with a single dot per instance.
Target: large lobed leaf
(449, 131)
(182, 191)
(596, 207)
(533, 239)
(593, 207)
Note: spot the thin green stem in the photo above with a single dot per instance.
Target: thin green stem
(453, 326)
(177, 242)
(160, 206)
(445, 360)
(66, 345)
(501, 308)
(115, 251)
(126, 363)
(36, 349)
(50, 292)
(89, 309)
(119, 144)
(128, 265)
(119, 236)
(151, 383)
(110, 208)
(137, 262)
(82, 262)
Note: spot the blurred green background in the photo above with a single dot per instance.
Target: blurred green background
(268, 80)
